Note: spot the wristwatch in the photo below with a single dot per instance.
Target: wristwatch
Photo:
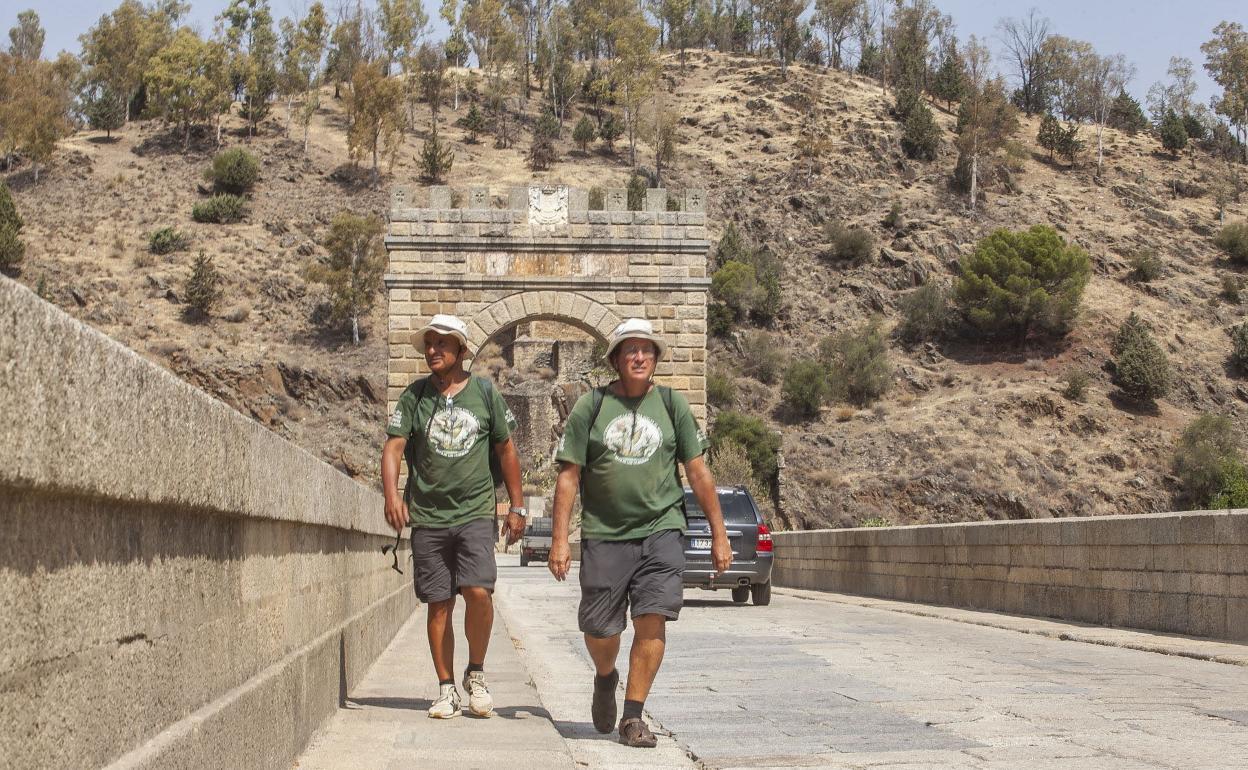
(521, 512)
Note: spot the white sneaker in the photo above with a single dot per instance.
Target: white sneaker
(479, 701)
(447, 704)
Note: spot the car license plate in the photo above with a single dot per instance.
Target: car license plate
(700, 544)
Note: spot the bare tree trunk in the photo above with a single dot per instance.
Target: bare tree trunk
(290, 110)
(355, 329)
(306, 124)
(974, 178)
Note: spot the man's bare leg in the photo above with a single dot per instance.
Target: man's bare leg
(644, 659)
(478, 621)
(442, 638)
(604, 651)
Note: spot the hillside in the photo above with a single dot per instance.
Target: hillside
(965, 433)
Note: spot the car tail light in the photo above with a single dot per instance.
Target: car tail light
(764, 538)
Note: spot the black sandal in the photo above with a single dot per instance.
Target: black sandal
(603, 708)
(636, 733)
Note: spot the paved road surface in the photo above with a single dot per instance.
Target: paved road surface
(811, 681)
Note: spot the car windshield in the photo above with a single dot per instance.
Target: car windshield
(539, 526)
(735, 505)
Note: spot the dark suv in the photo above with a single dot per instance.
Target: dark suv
(750, 573)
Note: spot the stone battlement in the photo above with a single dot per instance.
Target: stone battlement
(548, 212)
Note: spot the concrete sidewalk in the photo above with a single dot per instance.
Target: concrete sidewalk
(384, 723)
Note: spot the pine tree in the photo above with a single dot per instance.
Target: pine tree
(949, 83)
(12, 249)
(354, 268)
(1070, 145)
(1126, 114)
(473, 123)
(1050, 135)
(203, 288)
(921, 139)
(436, 159)
(1173, 134)
(583, 133)
(610, 131)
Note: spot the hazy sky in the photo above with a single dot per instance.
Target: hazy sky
(1148, 32)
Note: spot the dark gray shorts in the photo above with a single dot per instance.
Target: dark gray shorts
(638, 576)
(446, 560)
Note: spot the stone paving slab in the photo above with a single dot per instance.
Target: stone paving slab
(846, 682)
(384, 723)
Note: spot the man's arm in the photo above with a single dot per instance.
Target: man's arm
(566, 486)
(703, 485)
(509, 460)
(391, 456)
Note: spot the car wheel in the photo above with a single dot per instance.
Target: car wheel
(762, 594)
(741, 594)
(524, 560)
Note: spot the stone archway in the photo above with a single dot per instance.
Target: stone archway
(545, 255)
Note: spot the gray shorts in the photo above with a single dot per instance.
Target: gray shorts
(617, 576)
(446, 560)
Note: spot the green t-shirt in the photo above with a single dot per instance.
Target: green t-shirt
(450, 440)
(629, 485)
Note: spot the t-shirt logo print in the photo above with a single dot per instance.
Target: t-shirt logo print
(634, 438)
(453, 431)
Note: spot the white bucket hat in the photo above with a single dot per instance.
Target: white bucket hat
(444, 324)
(638, 329)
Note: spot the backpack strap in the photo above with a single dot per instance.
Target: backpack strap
(596, 398)
(487, 392)
(412, 448)
(666, 394)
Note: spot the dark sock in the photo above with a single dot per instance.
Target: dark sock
(445, 681)
(606, 682)
(474, 667)
(632, 709)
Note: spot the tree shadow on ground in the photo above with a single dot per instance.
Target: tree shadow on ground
(104, 139)
(202, 144)
(1129, 405)
(971, 352)
(353, 178)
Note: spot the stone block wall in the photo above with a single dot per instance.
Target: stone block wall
(546, 257)
(1183, 573)
(180, 587)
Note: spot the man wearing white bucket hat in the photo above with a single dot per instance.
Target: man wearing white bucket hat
(620, 447)
(445, 426)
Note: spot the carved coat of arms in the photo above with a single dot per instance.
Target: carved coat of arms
(548, 207)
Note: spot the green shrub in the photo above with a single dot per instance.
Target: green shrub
(1132, 331)
(736, 285)
(1233, 239)
(234, 171)
(720, 388)
(597, 199)
(805, 387)
(924, 313)
(637, 186)
(761, 357)
(203, 287)
(733, 246)
(761, 444)
(875, 521)
(907, 102)
(1232, 285)
(167, 240)
(921, 138)
(1146, 265)
(1141, 369)
(1239, 347)
(894, 220)
(848, 244)
(858, 366)
(436, 159)
(12, 249)
(1019, 282)
(1207, 451)
(1077, 381)
(730, 465)
(220, 209)
(1232, 488)
(720, 320)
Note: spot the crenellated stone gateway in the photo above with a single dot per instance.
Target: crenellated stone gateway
(545, 255)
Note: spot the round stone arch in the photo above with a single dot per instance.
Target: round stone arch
(571, 308)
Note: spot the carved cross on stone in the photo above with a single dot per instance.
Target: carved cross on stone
(398, 198)
(479, 198)
(695, 201)
(617, 200)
